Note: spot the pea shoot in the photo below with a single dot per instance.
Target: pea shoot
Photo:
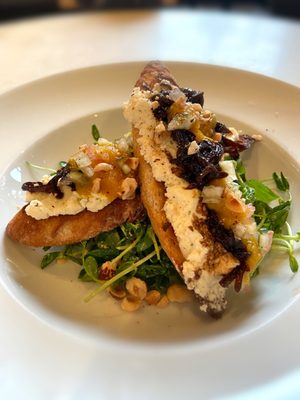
(112, 257)
(272, 207)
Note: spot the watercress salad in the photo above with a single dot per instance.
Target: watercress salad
(132, 249)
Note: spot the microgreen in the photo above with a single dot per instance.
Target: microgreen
(49, 258)
(272, 207)
(95, 133)
(281, 182)
(40, 167)
(131, 249)
(124, 272)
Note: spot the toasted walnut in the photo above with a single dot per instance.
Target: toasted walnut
(163, 302)
(117, 292)
(160, 127)
(136, 288)
(197, 107)
(233, 203)
(152, 297)
(128, 188)
(133, 163)
(103, 167)
(130, 304)
(217, 137)
(96, 185)
(179, 294)
(193, 148)
(257, 137)
(61, 260)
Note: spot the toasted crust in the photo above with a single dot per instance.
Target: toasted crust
(153, 73)
(153, 198)
(153, 192)
(65, 229)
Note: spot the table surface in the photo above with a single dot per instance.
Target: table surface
(40, 47)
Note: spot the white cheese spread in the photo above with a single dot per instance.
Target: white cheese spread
(45, 205)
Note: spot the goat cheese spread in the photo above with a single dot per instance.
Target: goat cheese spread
(44, 205)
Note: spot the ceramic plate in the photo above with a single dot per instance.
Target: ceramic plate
(45, 122)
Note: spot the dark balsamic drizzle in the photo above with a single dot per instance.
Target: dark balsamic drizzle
(50, 187)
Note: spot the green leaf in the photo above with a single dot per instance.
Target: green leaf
(277, 217)
(62, 164)
(146, 242)
(255, 273)
(293, 263)
(95, 133)
(262, 192)
(84, 277)
(74, 250)
(91, 268)
(281, 182)
(104, 253)
(240, 169)
(49, 258)
(150, 270)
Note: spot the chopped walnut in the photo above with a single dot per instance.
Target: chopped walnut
(128, 188)
(96, 185)
(132, 163)
(233, 203)
(257, 137)
(103, 167)
(193, 148)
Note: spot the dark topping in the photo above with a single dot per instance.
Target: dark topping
(200, 168)
(235, 246)
(183, 138)
(226, 237)
(235, 275)
(221, 128)
(233, 148)
(193, 96)
(50, 187)
(161, 112)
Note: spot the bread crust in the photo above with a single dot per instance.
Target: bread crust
(66, 229)
(153, 198)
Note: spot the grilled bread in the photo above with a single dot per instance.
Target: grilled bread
(192, 211)
(94, 192)
(66, 229)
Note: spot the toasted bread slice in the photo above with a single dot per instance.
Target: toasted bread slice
(197, 256)
(152, 191)
(66, 229)
(153, 198)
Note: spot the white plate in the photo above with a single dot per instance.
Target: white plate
(44, 122)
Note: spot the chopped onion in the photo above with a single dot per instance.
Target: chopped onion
(212, 194)
(176, 93)
(88, 171)
(82, 160)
